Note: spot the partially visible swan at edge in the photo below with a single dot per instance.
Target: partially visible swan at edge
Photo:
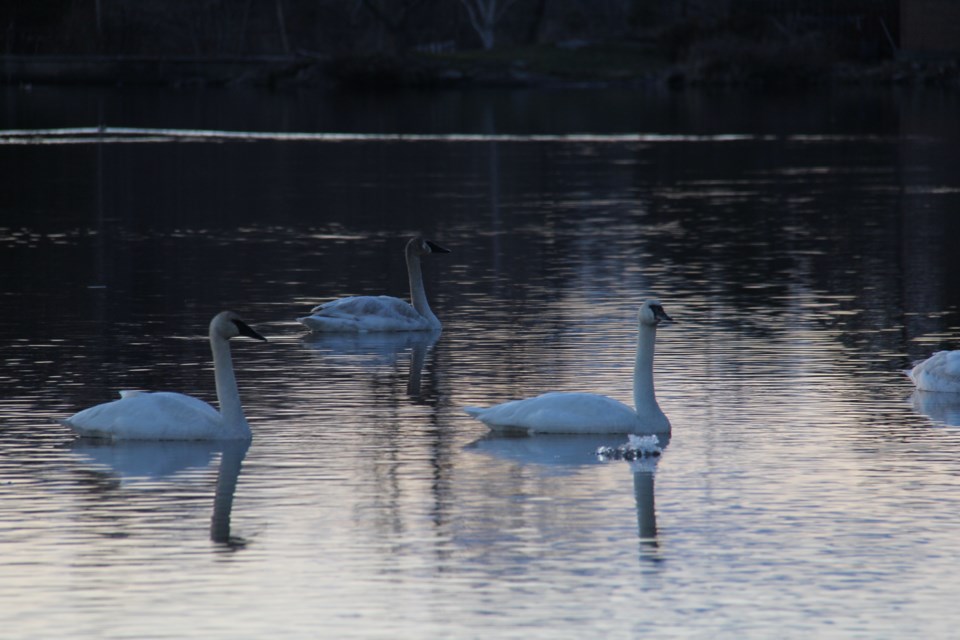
(163, 415)
(358, 314)
(558, 412)
(939, 372)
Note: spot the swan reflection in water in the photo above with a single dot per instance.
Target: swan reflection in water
(143, 460)
(378, 350)
(578, 450)
(941, 407)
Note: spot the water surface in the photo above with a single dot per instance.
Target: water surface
(805, 248)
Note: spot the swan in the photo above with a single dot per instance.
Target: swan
(939, 372)
(558, 412)
(358, 314)
(143, 415)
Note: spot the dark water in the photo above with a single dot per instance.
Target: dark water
(806, 246)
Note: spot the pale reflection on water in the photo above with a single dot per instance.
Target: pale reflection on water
(365, 350)
(559, 456)
(941, 408)
(806, 491)
(153, 462)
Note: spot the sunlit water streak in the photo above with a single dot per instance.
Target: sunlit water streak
(114, 135)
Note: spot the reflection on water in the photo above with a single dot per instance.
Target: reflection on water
(130, 461)
(558, 455)
(942, 408)
(149, 461)
(227, 477)
(646, 509)
(377, 350)
(805, 244)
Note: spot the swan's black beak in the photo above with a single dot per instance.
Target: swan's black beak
(660, 314)
(435, 248)
(245, 330)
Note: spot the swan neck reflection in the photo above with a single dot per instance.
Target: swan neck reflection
(646, 508)
(228, 476)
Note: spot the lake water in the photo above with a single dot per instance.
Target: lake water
(805, 245)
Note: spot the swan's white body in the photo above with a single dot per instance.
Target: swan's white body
(360, 314)
(939, 372)
(143, 415)
(558, 412)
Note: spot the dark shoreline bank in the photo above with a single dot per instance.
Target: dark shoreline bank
(523, 69)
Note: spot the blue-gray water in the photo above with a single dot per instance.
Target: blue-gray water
(807, 248)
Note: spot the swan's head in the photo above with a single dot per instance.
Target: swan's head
(652, 313)
(418, 246)
(228, 324)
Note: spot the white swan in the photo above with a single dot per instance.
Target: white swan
(143, 415)
(939, 372)
(558, 412)
(359, 314)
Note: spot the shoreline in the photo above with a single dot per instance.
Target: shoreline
(559, 68)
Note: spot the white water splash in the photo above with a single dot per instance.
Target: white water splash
(635, 448)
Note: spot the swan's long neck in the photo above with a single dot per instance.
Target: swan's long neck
(418, 296)
(227, 393)
(644, 399)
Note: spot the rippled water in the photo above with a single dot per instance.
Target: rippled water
(806, 491)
